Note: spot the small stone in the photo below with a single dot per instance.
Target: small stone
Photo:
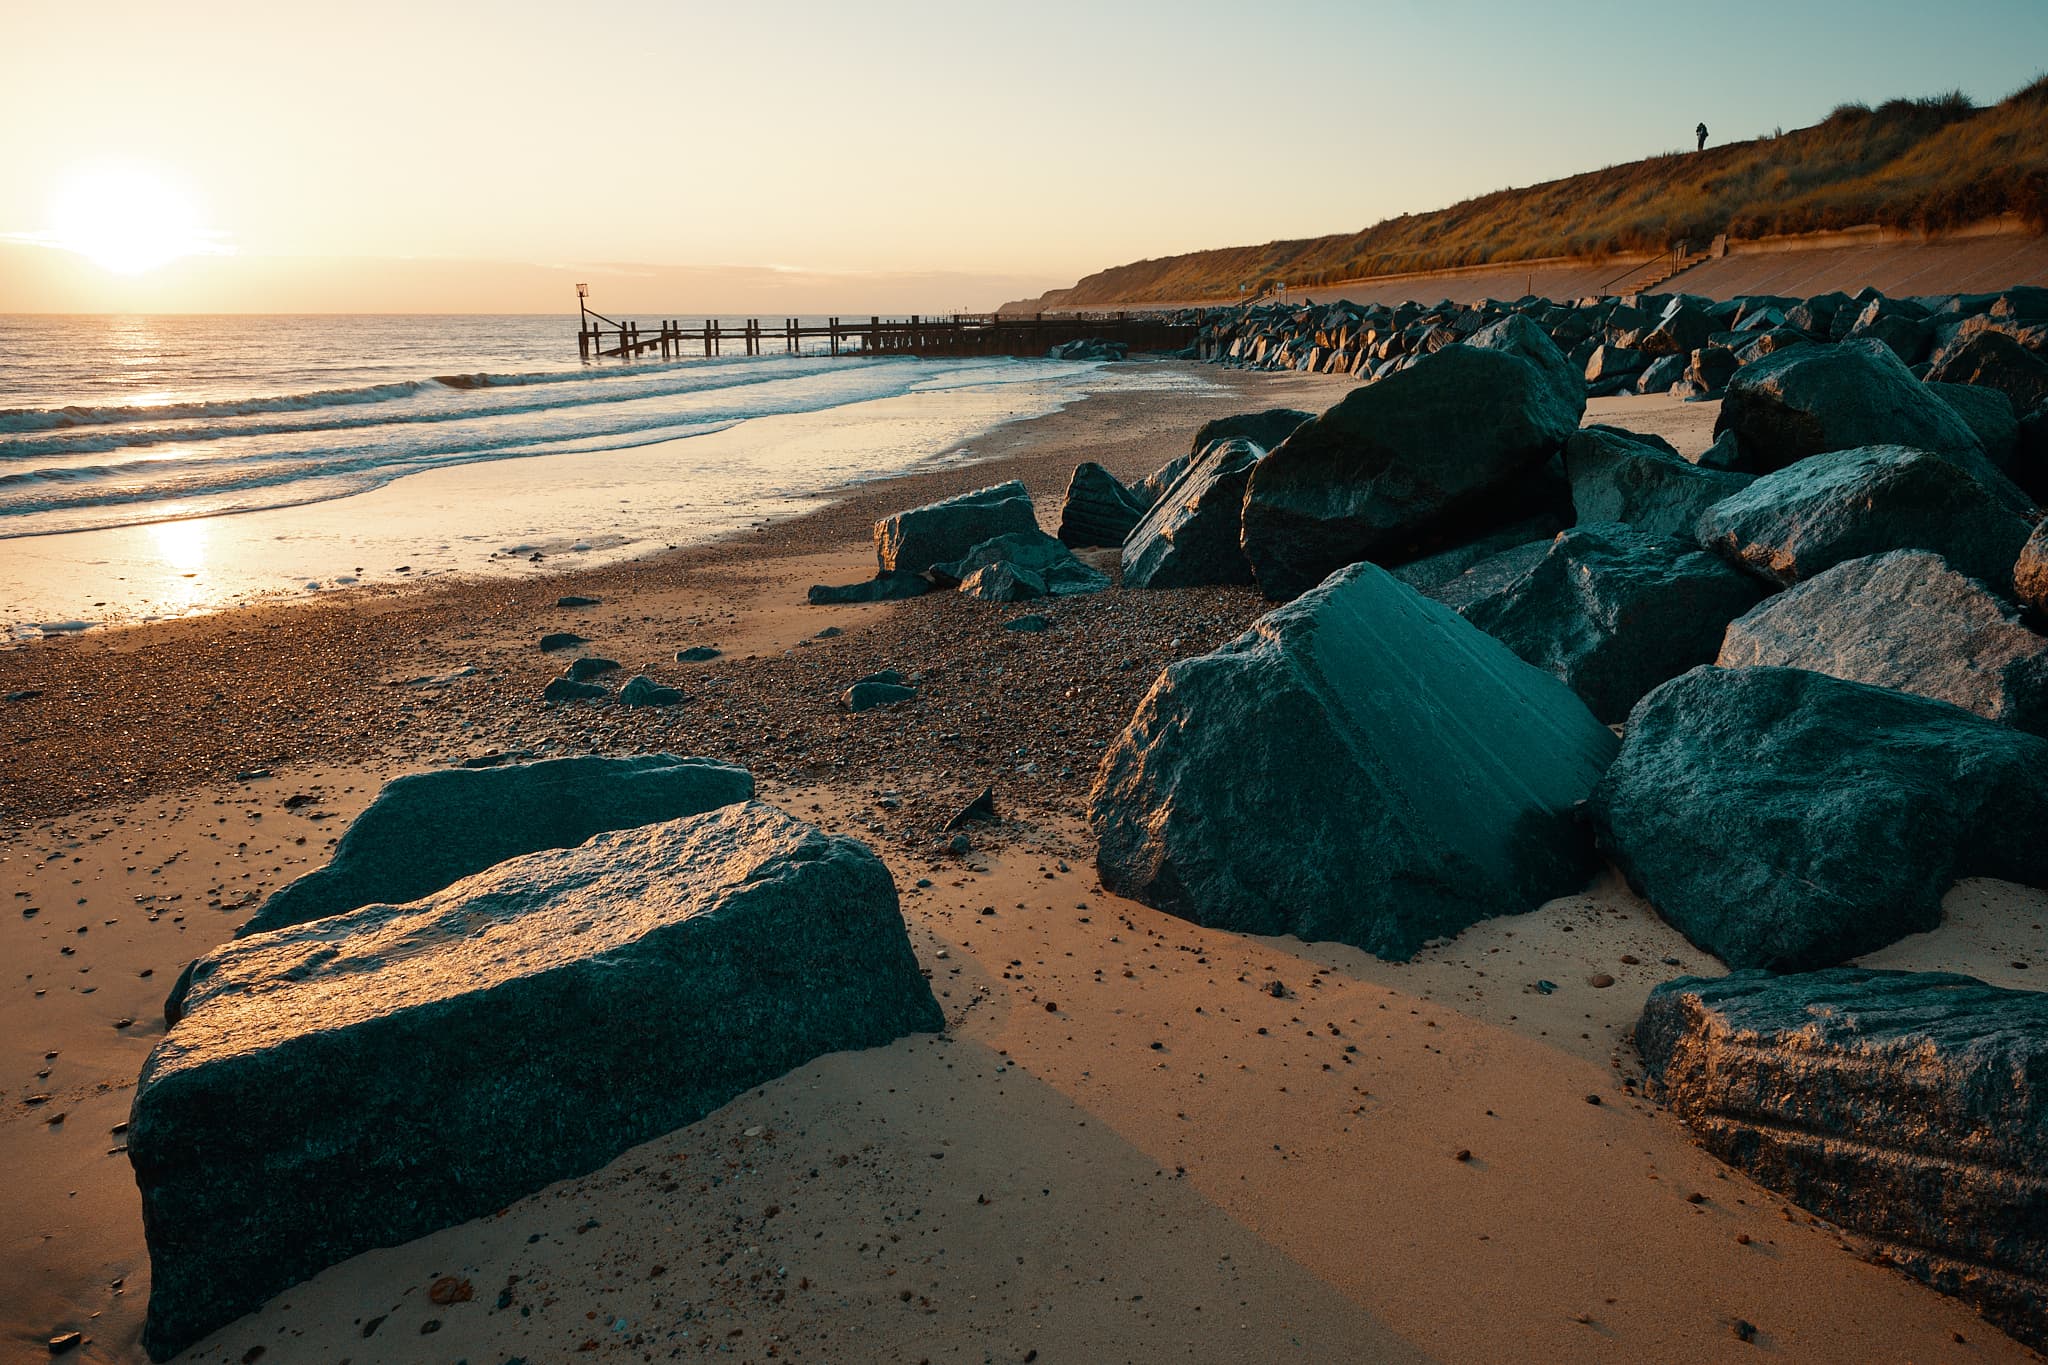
(66, 1341)
(450, 1289)
(560, 639)
(829, 633)
(867, 694)
(981, 808)
(697, 654)
(573, 601)
(1744, 1330)
(645, 691)
(1592, 1099)
(1601, 981)
(567, 689)
(1546, 987)
(1464, 1154)
(1035, 621)
(590, 666)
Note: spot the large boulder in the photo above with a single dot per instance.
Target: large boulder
(1846, 504)
(1097, 508)
(1906, 621)
(1436, 453)
(365, 1079)
(1784, 819)
(1616, 476)
(1612, 612)
(1909, 1107)
(1812, 399)
(427, 830)
(1361, 765)
(1987, 357)
(1030, 555)
(1190, 536)
(914, 540)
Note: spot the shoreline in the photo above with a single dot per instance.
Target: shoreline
(1125, 1144)
(483, 518)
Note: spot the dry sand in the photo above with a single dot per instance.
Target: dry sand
(1126, 1146)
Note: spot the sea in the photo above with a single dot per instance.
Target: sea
(296, 454)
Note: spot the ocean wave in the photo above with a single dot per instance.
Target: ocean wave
(288, 482)
(51, 419)
(43, 444)
(55, 419)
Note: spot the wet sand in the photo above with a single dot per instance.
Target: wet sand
(1126, 1146)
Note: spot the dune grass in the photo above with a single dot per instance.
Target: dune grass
(1926, 164)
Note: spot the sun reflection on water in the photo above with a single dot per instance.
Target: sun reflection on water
(181, 547)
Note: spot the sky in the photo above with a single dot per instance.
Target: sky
(432, 156)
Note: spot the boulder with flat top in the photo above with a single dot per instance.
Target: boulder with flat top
(1362, 765)
(365, 1079)
(1908, 1107)
(426, 830)
(914, 540)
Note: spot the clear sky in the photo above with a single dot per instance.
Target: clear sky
(684, 156)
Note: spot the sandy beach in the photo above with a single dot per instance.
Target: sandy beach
(1136, 1140)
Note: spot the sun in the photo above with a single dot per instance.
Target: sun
(128, 220)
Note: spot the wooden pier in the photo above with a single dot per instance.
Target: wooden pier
(599, 337)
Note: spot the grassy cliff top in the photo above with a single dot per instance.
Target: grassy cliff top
(1928, 164)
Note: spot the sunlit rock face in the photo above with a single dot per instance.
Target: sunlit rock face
(364, 1079)
(1909, 1106)
(426, 830)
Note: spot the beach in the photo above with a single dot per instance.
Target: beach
(1137, 1139)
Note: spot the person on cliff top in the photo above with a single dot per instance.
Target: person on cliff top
(1702, 131)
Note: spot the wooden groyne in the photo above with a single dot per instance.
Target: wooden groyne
(954, 334)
